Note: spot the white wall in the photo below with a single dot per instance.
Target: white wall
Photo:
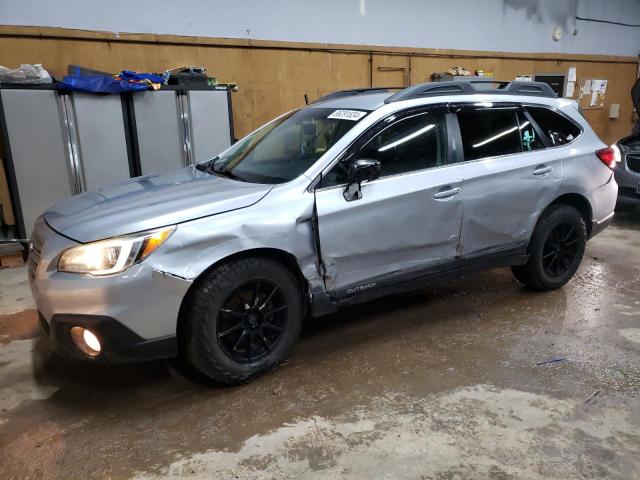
(497, 25)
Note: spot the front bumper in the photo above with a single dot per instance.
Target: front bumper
(134, 313)
(119, 344)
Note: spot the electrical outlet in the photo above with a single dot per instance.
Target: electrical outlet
(614, 110)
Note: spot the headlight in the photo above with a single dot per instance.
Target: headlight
(114, 255)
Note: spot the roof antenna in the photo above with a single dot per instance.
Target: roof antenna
(306, 99)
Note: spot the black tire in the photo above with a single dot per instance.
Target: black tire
(201, 339)
(551, 264)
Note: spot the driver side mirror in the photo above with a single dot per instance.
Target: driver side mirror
(363, 169)
(359, 171)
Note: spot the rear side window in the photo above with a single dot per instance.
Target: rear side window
(488, 133)
(557, 128)
(530, 139)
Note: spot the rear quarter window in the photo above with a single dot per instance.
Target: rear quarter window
(558, 129)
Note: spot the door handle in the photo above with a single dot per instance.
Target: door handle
(542, 170)
(442, 194)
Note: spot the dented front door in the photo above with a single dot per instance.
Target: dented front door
(401, 227)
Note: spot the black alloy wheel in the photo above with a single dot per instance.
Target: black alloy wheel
(555, 249)
(252, 320)
(560, 250)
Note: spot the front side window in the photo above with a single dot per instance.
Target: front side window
(489, 132)
(284, 149)
(415, 142)
(557, 128)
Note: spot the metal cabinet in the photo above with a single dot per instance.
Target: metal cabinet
(60, 143)
(157, 112)
(35, 154)
(102, 145)
(211, 130)
(196, 125)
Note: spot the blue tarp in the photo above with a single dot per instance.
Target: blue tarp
(128, 82)
(100, 84)
(129, 75)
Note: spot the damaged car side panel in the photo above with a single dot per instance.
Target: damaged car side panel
(287, 229)
(583, 175)
(503, 198)
(396, 227)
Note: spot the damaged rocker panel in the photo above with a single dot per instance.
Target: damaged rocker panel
(401, 282)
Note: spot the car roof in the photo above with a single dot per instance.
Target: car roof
(484, 89)
(359, 101)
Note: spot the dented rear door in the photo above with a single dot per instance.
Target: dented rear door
(509, 178)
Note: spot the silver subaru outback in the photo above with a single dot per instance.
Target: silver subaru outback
(361, 194)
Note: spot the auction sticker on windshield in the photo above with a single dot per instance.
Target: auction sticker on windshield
(353, 115)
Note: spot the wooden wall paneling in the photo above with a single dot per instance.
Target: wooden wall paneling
(620, 76)
(390, 71)
(274, 76)
(5, 198)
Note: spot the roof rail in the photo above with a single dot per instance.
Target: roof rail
(354, 91)
(473, 86)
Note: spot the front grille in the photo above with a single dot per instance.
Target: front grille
(633, 163)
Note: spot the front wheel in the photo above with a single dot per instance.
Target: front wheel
(555, 250)
(242, 319)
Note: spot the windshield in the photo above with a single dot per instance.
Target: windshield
(283, 149)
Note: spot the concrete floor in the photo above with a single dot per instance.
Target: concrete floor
(441, 384)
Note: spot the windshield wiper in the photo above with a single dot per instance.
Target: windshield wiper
(209, 167)
(206, 166)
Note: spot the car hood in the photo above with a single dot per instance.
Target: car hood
(149, 202)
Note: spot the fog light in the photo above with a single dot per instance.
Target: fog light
(86, 341)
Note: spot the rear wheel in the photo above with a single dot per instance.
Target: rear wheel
(242, 320)
(555, 250)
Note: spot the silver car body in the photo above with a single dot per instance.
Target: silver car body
(421, 222)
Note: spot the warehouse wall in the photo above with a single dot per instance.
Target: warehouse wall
(273, 77)
(493, 25)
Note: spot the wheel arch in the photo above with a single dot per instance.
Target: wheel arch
(579, 202)
(287, 259)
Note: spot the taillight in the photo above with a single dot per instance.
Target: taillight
(607, 156)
